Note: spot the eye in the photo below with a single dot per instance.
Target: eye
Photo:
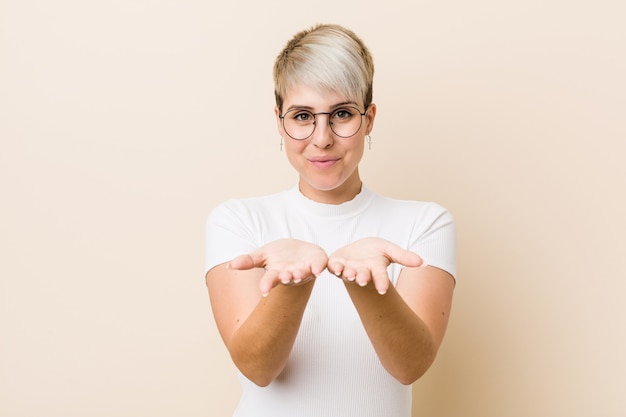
(301, 116)
(343, 114)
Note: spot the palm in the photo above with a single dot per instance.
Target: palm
(366, 260)
(286, 261)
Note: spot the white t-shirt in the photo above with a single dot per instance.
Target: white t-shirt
(333, 370)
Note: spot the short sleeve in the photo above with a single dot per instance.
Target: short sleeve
(228, 233)
(434, 239)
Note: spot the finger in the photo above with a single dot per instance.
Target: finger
(350, 274)
(363, 277)
(335, 268)
(298, 276)
(285, 277)
(242, 262)
(301, 275)
(317, 266)
(402, 256)
(268, 281)
(381, 280)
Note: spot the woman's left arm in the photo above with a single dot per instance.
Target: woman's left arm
(405, 323)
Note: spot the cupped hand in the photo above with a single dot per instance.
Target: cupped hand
(366, 260)
(286, 262)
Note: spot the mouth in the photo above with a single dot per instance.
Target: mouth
(324, 161)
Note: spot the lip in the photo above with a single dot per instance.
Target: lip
(323, 162)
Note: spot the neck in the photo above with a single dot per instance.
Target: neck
(346, 192)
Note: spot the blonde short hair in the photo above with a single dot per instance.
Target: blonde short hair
(326, 57)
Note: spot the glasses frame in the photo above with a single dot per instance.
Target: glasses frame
(330, 123)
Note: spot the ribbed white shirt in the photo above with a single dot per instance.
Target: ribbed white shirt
(333, 370)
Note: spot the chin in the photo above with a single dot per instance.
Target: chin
(326, 186)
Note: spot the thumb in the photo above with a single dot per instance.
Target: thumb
(242, 262)
(403, 256)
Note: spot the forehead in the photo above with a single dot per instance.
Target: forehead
(314, 98)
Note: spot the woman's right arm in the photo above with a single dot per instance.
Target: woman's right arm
(259, 331)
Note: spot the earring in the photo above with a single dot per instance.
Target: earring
(369, 142)
(281, 143)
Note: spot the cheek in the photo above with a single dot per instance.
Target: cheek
(293, 150)
(358, 148)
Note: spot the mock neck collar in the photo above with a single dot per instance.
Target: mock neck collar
(349, 208)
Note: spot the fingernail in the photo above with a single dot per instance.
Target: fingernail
(362, 284)
(382, 292)
(265, 294)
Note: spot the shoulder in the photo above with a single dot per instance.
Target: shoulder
(251, 212)
(429, 227)
(252, 204)
(421, 211)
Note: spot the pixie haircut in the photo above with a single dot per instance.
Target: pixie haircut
(327, 58)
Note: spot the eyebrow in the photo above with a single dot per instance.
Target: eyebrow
(334, 106)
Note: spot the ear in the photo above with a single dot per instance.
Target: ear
(371, 115)
(279, 125)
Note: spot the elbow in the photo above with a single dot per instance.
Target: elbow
(261, 381)
(255, 367)
(257, 373)
(258, 378)
(407, 375)
(407, 379)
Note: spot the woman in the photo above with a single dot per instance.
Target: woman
(330, 298)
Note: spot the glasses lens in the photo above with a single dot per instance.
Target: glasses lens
(299, 124)
(345, 121)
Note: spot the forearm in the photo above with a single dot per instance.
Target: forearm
(403, 342)
(261, 346)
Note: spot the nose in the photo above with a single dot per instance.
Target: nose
(322, 135)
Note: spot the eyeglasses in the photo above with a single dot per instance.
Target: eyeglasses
(345, 122)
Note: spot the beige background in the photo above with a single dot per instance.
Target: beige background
(122, 123)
